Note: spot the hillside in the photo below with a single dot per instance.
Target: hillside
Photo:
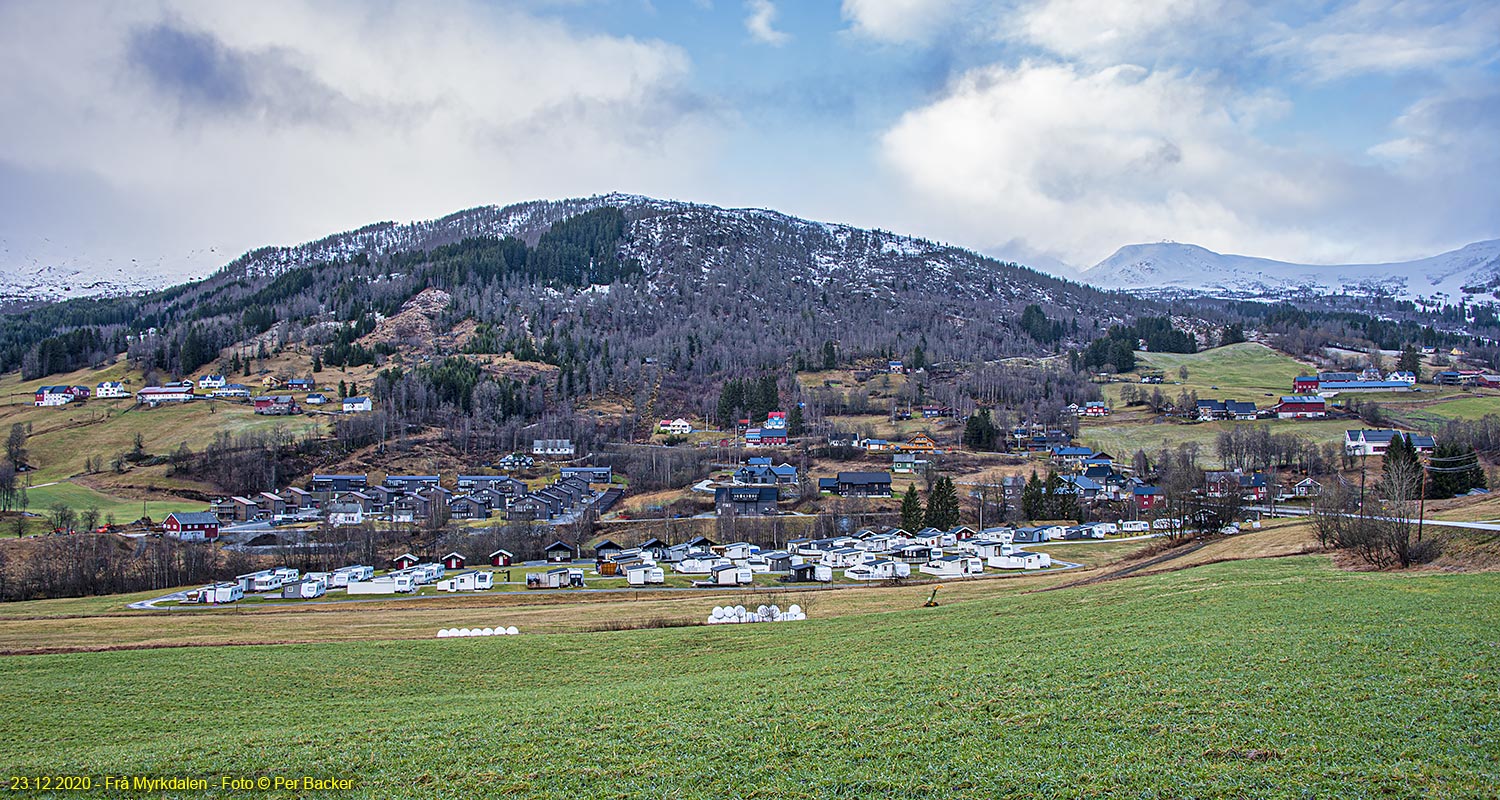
(1168, 266)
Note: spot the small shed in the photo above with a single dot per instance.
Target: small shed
(501, 558)
(405, 561)
(454, 561)
(606, 549)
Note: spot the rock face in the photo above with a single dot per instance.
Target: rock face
(413, 328)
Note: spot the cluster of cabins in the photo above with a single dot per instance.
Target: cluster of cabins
(1289, 407)
(350, 500)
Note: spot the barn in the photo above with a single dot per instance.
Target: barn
(192, 527)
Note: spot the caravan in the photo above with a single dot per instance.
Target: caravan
(393, 583)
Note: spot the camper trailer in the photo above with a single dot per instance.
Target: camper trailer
(217, 593)
(471, 581)
(303, 589)
(343, 576)
(393, 583)
(644, 574)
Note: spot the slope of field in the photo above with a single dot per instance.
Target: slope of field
(1266, 678)
(1251, 369)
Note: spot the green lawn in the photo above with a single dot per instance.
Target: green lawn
(1122, 437)
(1270, 679)
(1247, 368)
(80, 498)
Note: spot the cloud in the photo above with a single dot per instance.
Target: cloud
(903, 21)
(234, 126)
(1078, 161)
(761, 23)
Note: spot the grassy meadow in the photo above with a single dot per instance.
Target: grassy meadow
(1267, 678)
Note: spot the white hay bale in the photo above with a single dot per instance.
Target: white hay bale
(795, 609)
(511, 631)
(443, 634)
(488, 632)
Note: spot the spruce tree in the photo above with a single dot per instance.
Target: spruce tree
(911, 510)
(942, 505)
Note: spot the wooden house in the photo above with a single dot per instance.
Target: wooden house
(405, 561)
(501, 558)
(559, 552)
(453, 561)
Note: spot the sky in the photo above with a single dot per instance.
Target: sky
(169, 137)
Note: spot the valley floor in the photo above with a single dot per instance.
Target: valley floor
(1275, 676)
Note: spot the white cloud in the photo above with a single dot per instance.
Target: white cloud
(235, 126)
(903, 20)
(1109, 32)
(1079, 161)
(761, 23)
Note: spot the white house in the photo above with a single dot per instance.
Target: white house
(54, 395)
(953, 567)
(111, 390)
(676, 427)
(843, 557)
(211, 381)
(356, 405)
(701, 563)
(734, 551)
(341, 514)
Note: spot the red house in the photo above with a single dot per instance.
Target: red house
(405, 561)
(453, 561)
(1301, 407)
(501, 558)
(197, 526)
(1305, 384)
(1146, 497)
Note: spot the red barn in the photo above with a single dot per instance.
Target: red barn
(1146, 497)
(198, 526)
(1301, 407)
(1305, 384)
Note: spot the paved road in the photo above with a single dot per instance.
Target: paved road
(1446, 523)
(1053, 542)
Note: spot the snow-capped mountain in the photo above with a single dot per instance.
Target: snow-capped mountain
(1172, 267)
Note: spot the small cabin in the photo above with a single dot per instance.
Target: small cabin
(405, 561)
(501, 558)
(454, 561)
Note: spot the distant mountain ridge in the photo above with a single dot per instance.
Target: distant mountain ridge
(1171, 267)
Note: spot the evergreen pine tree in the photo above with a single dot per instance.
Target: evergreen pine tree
(911, 510)
(1033, 500)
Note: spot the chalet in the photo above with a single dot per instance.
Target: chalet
(920, 443)
(54, 395)
(675, 427)
(357, 405)
(1301, 407)
(529, 507)
(338, 483)
(1146, 497)
(1375, 442)
(454, 561)
(589, 474)
(232, 390)
(1095, 408)
(276, 405)
(766, 474)
(606, 549)
(411, 483)
(111, 390)
(211, 381)
(515, 461)
(192, 526)
(405, 561)
(502, 558)
(554, 448)
(410, 508)
(559, 552)
(1082, 485)
(156, 395)
(864, 484)
(746, 501)
(468, 507)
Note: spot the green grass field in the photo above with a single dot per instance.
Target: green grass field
(1267, 679)
(1247, 368)
(79, 498)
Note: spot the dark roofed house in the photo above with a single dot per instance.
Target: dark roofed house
(755, 501)
(338, 483)
(606, 549)
(559, 552)
(864, 484)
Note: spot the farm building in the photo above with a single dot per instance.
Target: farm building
(111, 390)
(1374, 442)
(54, 396)
(192, 526)
(275, 405)
(357, 405)
(156, 395)
(1301, 407)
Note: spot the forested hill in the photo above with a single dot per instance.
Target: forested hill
(624, 296)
